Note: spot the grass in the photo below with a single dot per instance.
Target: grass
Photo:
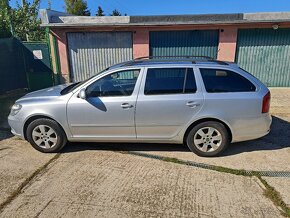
(271, 193)
(173, 160)
(215, 168)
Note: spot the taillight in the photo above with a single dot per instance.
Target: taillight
(266, 103)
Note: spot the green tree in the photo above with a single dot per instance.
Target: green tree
(77, 7)
(100, 11)
(22, 21)
(26, 23)
(5, 26)
(116, 13)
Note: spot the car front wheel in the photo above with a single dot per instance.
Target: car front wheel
(46, 135)
(208, 139)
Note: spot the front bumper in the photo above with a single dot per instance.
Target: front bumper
(16, 125)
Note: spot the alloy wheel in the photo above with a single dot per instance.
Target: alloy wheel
(207, 139)
(44, 136)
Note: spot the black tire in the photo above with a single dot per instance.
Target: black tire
(61, 139)
(196, 148)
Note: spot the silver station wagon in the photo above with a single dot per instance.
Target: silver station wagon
(203, 103)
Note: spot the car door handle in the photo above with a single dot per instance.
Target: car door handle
(192, 104)
(126, 105)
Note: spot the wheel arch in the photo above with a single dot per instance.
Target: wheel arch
(205, 120)
(35, 117)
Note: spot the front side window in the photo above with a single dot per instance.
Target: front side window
(217, 80)
(120, 83)
(161, 81)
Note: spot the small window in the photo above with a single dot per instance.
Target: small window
(161, 81)
(217, 80)
(190, 85)
(116, 84)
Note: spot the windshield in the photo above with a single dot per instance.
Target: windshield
(74, 86)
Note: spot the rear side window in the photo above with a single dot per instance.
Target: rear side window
(162, 81)
(216, 80)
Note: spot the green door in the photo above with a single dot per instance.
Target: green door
(37, 65)
(182, 43)
(265, 53)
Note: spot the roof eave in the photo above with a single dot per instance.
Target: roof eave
(63, 25)
(56, 19)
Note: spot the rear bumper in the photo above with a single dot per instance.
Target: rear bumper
(252, 128)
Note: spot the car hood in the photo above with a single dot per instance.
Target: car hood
(45, 93)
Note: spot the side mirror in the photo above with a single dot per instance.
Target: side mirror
(82, 94)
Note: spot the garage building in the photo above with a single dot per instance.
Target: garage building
(83, 46)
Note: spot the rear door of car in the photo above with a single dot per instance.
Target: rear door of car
(169, 97)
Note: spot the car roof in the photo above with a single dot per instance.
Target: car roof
(172, 60)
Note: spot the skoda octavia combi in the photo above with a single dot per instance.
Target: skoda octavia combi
(203, 103)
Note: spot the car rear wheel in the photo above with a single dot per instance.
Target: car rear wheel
(208, 139)
(46, 135)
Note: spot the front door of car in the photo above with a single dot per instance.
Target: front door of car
(108, 110)
(169, 98)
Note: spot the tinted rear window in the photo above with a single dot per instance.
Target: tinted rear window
(160, 81)
(216, 80)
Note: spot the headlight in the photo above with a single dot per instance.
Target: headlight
(15, 109)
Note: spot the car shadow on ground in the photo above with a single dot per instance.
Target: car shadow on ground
(277, 139)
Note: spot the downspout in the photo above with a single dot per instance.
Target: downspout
(56, 58)
(49, 50)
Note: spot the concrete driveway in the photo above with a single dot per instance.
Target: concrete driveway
(94, 181)
(149, 180)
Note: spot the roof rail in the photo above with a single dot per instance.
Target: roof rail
(187, 58)
(192, 58)
(175, 57)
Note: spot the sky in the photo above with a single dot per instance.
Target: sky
(171, 7)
